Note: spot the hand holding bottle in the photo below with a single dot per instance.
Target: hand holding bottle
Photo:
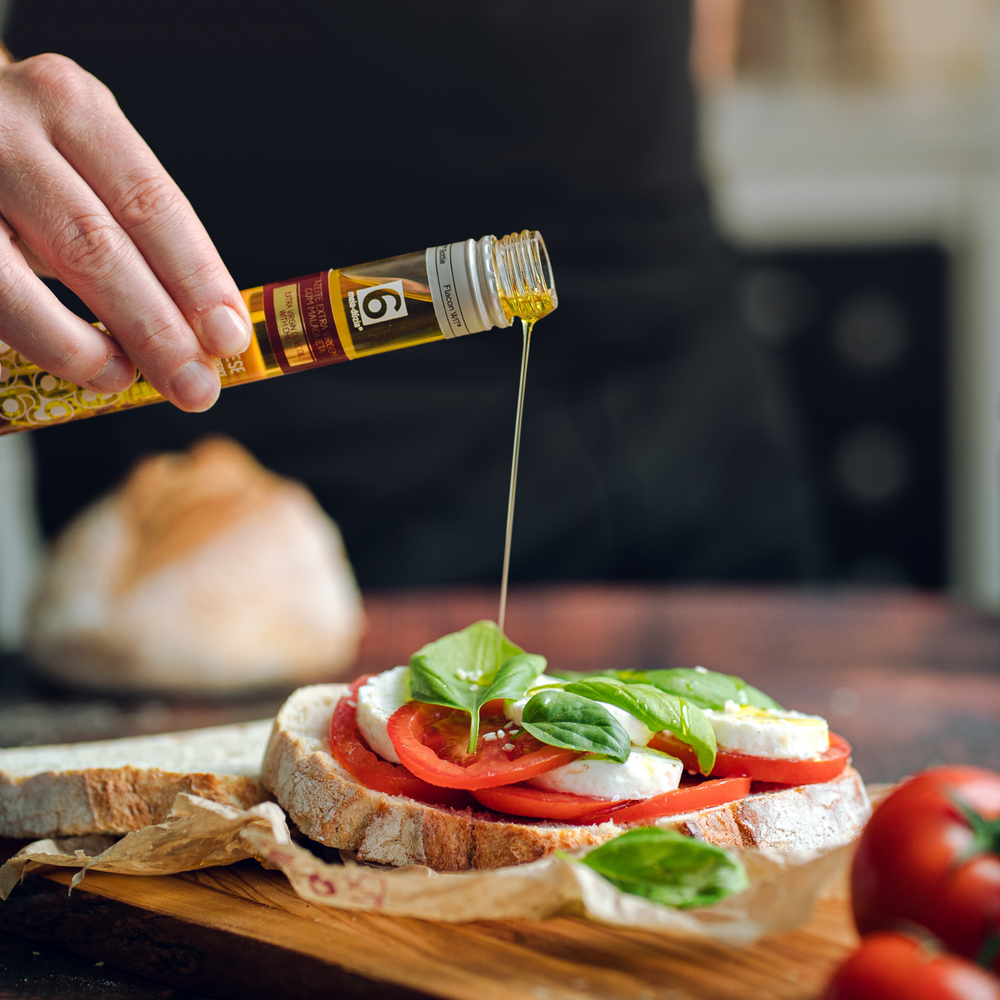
(83, 199)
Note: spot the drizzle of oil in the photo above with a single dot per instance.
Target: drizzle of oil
(527, 325)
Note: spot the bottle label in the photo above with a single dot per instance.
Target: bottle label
(452, 279)
(300, 323)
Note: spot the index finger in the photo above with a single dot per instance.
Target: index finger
(121, 234)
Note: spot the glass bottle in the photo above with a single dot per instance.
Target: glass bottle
(339, 315)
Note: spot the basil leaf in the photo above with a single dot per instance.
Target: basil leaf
(515, 677)
(567, 720)
(668, 868)
(656, 710)
(709, 689)
(460, 671)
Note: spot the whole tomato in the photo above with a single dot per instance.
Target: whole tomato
(890, 966)
(930, 855)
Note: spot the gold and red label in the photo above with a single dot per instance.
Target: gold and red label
(301, 324)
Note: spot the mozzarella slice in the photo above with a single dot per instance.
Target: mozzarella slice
(646, 773)
(515, 709)
(377, 700)
(637, 731)
(769, 732)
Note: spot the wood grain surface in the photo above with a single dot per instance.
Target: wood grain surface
(241, 932)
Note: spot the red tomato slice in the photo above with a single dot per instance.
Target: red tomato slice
(700, 795)
(826, 767)
(348, 746)
(521, 800)
(432, 741)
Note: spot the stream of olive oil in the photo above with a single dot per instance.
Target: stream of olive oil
(527, 325)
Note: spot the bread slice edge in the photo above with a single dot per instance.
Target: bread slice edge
(97, 793)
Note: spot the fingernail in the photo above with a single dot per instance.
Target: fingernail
(116, 376)
(224, 333)
(196, 386)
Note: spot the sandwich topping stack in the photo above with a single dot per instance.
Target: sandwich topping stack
(474, 756)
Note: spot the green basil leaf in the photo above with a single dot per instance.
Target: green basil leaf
(668, 868)
(709, 689)
(463, 671)
(567, 720)
(656, 710)
(515, 677)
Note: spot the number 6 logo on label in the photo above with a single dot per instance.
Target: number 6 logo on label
(381, 303)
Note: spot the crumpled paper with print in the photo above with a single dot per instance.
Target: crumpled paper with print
(199, 833)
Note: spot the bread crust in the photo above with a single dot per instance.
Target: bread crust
(108, 800)
(329, 806)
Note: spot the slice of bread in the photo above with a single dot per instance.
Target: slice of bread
(327, 804)
(115, 786)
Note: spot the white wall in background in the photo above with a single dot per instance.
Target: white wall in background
(808, 166)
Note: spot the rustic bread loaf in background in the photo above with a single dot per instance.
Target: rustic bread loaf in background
(202, 573)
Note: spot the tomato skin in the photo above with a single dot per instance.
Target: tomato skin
(349, 748)
(703, 795)
(521, 800)
(912, 861)
(892, 966)
(418, 731)
(537, 803)
(826, 767)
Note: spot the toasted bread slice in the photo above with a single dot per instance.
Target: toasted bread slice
(115, 786)
(330, 806)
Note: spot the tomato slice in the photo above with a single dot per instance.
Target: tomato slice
(825, 767)
(687, 798)
(348, 746)
(432, 741)
(521, 800)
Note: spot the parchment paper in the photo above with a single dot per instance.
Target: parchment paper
(198, 833)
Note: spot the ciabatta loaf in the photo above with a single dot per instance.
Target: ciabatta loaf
(116, 786)
(330, 806)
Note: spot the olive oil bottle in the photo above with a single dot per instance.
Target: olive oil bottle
(338, 315)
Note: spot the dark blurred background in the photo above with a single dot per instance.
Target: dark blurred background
(660, 439)
(764, 282)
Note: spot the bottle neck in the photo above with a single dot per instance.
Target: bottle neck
(477, 285)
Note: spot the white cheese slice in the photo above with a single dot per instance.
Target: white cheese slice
(646, 773)
(515, 709)
(769, 732)
(377, 700)
(637, 731)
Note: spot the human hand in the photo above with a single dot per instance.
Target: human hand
(83, 199)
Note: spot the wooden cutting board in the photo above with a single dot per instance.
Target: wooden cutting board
(241, 932)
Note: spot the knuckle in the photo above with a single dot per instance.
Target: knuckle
(56, 77)
(200, 279)
(87, 244)
(148, 200)
(156, 337)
